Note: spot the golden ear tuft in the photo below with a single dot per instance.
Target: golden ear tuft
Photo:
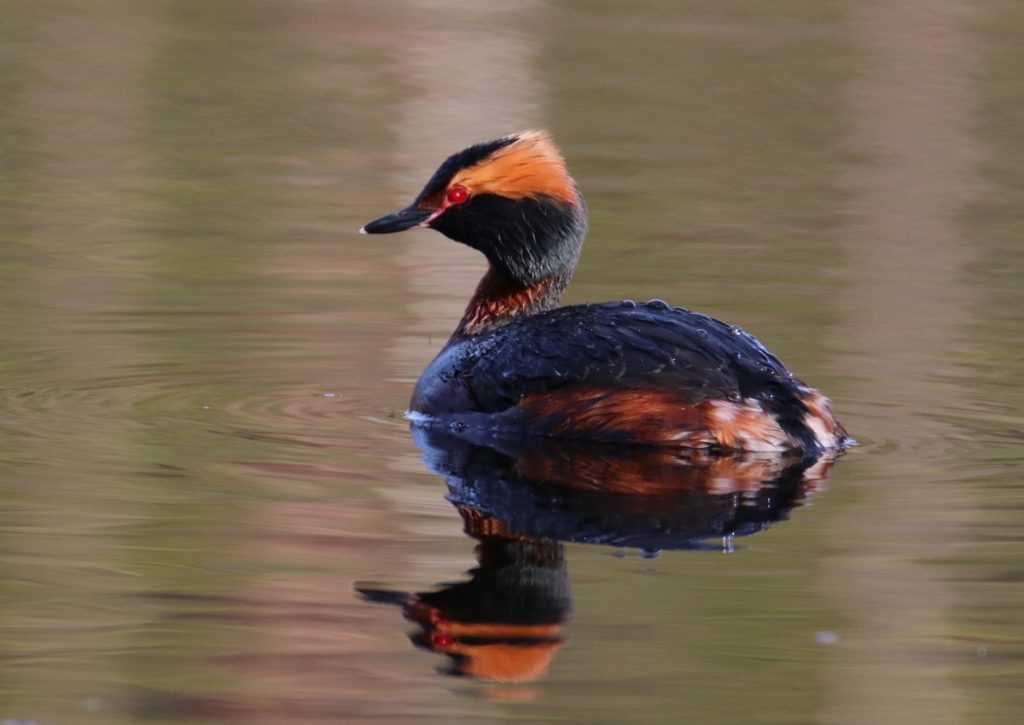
(529, 167)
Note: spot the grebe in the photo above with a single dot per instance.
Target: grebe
(615, 371)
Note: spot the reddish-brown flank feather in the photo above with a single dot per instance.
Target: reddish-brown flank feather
(655, 417)
(531, 166)
(642, 416)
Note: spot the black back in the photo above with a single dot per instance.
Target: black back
(612, 345)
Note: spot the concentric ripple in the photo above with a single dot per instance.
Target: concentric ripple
(59, 421)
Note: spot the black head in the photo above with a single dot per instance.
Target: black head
(511, 198)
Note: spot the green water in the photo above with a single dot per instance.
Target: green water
(204, 366)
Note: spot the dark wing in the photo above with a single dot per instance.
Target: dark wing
(622, 345)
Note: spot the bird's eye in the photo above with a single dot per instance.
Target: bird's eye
(457, 194)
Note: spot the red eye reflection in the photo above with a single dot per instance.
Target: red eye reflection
(457, 194)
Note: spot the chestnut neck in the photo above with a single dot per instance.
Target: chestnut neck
(499, 300)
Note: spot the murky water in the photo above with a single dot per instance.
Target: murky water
(204, 365)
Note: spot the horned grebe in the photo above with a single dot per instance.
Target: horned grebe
(616, 371)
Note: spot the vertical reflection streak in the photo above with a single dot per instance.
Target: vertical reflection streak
(85, 108)
(910, 112)
(465, 83)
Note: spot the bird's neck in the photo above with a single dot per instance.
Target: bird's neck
(499, 300)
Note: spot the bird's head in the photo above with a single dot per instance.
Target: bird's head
(512, 199)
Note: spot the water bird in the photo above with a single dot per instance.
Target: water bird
(624, 372)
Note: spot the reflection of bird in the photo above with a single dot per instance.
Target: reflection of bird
(617, 371)
(521, 501)
(628, 496)
(505, 623)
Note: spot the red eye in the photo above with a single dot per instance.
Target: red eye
(457, 194)
(440, 641)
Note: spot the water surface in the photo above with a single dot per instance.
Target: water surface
(205, 366)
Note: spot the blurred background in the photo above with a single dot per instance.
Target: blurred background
(204, 366)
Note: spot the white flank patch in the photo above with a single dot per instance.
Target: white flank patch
(727, 413)
(724, 411)
(825, 437)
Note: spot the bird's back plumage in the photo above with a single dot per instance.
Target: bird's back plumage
(592, 370)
